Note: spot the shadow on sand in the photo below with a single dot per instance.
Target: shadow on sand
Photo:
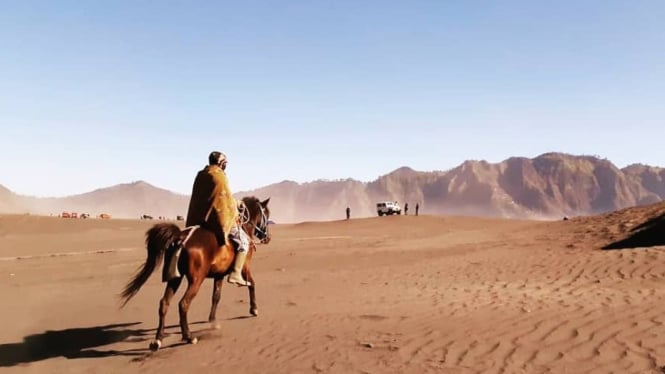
(647, 234)
(70, 343)
(81, 343)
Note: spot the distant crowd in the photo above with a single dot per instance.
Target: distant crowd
(108, 216)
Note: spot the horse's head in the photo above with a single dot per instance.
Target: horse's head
(255, 218)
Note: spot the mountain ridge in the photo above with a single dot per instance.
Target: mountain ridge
(547, 186)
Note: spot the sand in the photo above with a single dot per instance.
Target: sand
(378, 295)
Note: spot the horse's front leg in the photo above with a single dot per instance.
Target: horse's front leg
(171, 288)
(253, 309)
(216, 295)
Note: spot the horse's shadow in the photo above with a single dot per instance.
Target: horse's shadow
(70, 343)
(80, 343)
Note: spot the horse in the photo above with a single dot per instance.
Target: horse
(200, 257)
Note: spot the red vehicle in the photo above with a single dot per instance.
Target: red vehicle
(65, 215)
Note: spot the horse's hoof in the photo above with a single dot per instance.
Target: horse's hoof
(191, 340)
(254, 312)
(155, 345)
(216, 326)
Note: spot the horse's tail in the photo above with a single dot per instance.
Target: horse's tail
(160, 237)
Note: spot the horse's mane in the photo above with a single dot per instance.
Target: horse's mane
(251, 198)
(252, 203)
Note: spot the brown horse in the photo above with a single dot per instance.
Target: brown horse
(201, 257)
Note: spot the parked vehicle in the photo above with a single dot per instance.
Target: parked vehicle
(388, 208)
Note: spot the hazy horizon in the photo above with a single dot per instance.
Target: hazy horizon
(101, 94)
(299, 182)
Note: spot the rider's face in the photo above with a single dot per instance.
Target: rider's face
(223, 165)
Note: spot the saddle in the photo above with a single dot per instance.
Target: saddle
(172, 255)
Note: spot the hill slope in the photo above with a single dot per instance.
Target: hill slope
(548, 186)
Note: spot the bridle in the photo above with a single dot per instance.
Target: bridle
(261, 230)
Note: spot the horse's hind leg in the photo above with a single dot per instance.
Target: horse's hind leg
(171, 288)
(253, 309)
(185, 302)
(216, 295)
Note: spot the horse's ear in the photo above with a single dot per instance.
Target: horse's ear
(265, 202)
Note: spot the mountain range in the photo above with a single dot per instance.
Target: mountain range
(548, 186)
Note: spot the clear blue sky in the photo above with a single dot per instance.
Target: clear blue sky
(97, 93)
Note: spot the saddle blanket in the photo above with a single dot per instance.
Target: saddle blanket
(171, 270)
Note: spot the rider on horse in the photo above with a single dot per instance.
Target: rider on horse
(212, 206)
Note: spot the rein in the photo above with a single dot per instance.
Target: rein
(244, 213)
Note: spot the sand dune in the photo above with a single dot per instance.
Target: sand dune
(378, 295)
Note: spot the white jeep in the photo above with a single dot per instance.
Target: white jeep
(388, 208)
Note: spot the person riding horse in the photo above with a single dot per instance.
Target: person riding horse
(213, 207)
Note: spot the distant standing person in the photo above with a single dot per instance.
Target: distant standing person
(406, 209)
(348, 213)
(417, 208)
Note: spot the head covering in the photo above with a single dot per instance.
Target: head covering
(216, 158)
